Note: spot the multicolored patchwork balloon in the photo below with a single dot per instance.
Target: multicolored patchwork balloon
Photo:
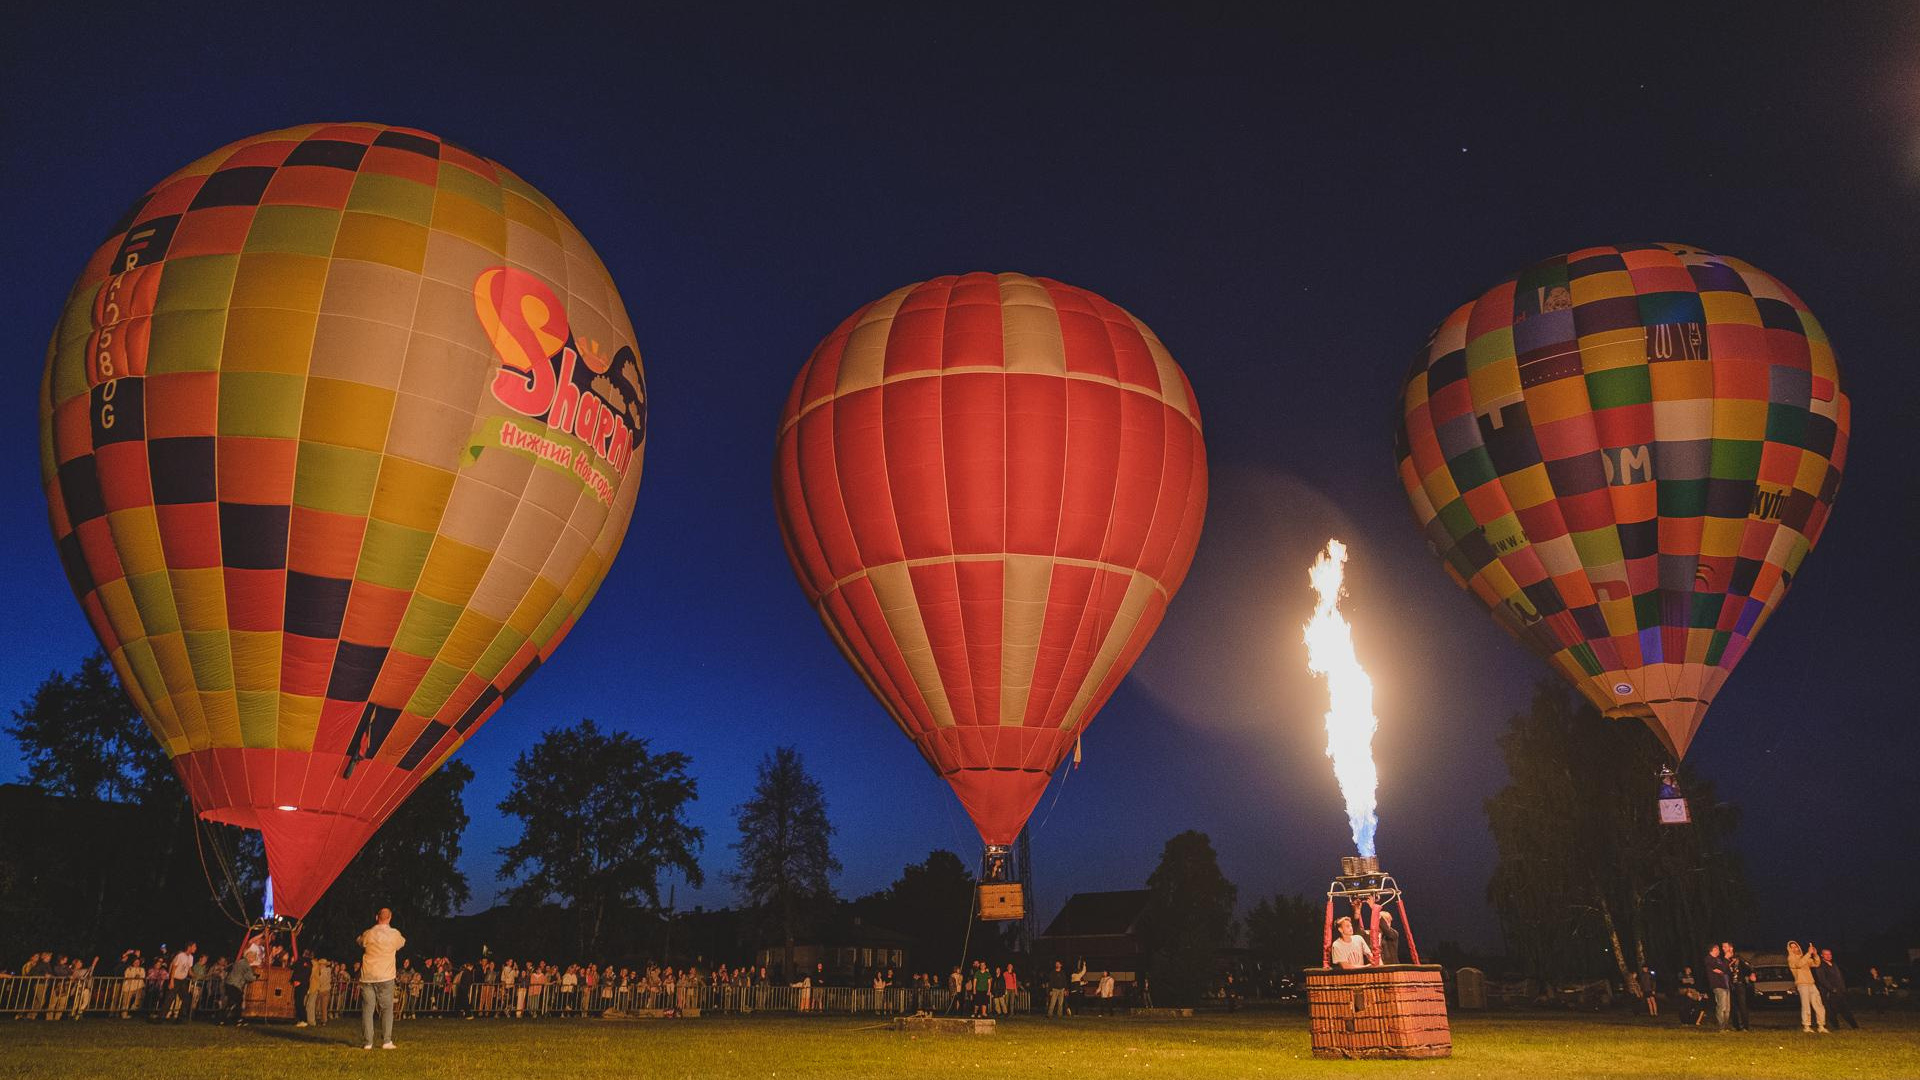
(990, 487)
(1626, 453)
(341, 429)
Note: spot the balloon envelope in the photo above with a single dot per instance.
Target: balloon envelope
(341, 428)
(1625, 453)
(990, 487)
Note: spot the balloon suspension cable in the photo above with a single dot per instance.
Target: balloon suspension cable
(238, 914)
(1058, 789)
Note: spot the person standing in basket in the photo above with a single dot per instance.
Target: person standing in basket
(381, 943)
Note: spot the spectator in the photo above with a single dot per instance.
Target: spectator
(1056, 984)
(1643, 982)
(1722, 988)
(320, 992)
(237, 979)
(132, 977)
(380, 942)
(1106, 993)
(1800, 962)
(180, 976)
(82, 985)
(1740, 979)
(1833, 990)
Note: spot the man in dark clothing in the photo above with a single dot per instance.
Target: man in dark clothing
(1389, 940)
(1722, 987)
(1833, 991)
(1740, 976)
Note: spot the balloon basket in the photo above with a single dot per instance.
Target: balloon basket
(1398, 1011)
(1390, 1010)
(1004, 902)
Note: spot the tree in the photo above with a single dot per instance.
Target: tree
(931, 902)
(602, 817)
(1189, 918)
(1284, 932)
(82, 737)
(1583, 857)
(786, 859)
(410, 865)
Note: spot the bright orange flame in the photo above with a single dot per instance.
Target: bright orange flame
(1350, 719)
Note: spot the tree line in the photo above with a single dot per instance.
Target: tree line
(110, 854)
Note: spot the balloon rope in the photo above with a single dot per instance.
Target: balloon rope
(219, 900)
(966, 944)
(1057, 792)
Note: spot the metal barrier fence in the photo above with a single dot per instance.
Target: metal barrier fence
(53, 997)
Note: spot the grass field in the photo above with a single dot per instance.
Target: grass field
(1257, 1044)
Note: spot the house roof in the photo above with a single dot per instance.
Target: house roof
(1100, 914)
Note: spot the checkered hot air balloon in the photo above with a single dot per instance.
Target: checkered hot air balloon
(990, 487)
(341, 428)
(1626, 453)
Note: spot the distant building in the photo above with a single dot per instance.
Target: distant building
(850, 948)
(1101, 928)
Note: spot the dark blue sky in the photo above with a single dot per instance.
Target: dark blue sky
(1290, 203)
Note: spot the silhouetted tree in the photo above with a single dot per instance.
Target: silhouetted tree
(81, 736)
(786, 857)
(1284, 932)
(602, 817)
(931, 902)
(1583, 857)
(1189, 918)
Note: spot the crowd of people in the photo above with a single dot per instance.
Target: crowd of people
(1723, 993)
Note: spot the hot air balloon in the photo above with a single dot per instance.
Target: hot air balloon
(341, 428)
(990, 487)
(1626, 453)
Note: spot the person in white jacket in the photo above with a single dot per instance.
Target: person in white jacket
(381, 943)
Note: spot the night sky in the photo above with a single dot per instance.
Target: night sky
(1290, 204)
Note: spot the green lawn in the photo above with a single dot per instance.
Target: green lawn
(1257, 1044)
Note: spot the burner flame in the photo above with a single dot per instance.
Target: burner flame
(1350, 719)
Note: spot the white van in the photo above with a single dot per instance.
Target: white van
(1773, 980)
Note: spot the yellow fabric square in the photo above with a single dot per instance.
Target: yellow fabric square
(452, 571)
(1720, 538)
(152, 595)
(1812, 473)
(469, 220)
(220, 715)
(411, 493)
(116, 598)
(1612, 349)
(1529, 487)
(279, 280)
(1676, 380)
(212, 664)
(299, 721)
(470, 637)
(259, 718)
(1734, 418)
(263, 339)
(530, 214)
(380, 239)
(341, 413)
(1602, 286)
(533, 607)
(136, 536)
(1730, 307)
(1557, 400)
(1495, 382)
(256, 659)
(200, 595)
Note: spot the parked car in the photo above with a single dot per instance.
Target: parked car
(1773, 981)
